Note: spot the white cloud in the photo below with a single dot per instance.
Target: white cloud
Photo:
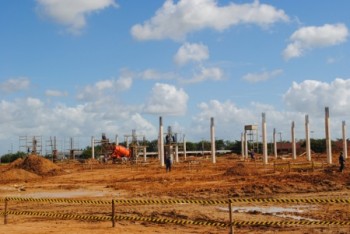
(263, 76)
(311, 96)
(230, 120)
(33, 117)
(55, 93)
(105, 87)
(166, 99)
(307, 38)
(191, 52)
(212, 73)
(123, 83)
(15, 84)
(72, 13)
(152, 74)
(176, 20)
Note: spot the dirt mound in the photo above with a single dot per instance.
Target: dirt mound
(37, 165)
(91, 161)
(17, 175)
(16, 163)
(239, 169)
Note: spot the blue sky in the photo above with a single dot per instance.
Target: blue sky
(79, 68)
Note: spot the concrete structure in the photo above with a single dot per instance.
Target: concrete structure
(328, 137)
(345, 144)
(249, 130)
(245, 145)
(212, 137)
(265, 159)
(161, 142)
(93, 147)
(242, 145)
(307, 138)
(184, 146)
(176, 153)
(116, 139)
(274, 143)
(294, 155)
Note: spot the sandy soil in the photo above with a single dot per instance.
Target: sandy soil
(195, 178)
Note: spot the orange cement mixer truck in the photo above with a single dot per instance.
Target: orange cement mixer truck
(119, 152)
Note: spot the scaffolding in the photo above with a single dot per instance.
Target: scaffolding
(136, 146)
(31, 144)
(252, 137)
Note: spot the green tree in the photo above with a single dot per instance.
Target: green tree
(8, 158)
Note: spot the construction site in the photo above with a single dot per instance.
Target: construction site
(125, 189)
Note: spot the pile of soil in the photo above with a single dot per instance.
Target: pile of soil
(91, 161)
(36, 164)
(238, 170)
(17, 175)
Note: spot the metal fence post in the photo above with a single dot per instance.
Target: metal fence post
(5, 215)
(113, 213)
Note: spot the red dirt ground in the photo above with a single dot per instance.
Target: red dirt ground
(193, 178)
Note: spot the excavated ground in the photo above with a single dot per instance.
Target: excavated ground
(195, 178)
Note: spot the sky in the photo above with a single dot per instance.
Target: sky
(80, 68)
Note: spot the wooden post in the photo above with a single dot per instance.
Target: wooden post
(113, 213)
(5, 215)
(230, 215)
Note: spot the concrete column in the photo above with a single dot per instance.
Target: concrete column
(184, 146)
(274, 143)
(161, 141)
(145, 154)
(328, 137)
(242, 145)
(294, 154)
(158, 145)
(212, 134)
(307, 138)
(116, 139)
(265, 159)
(93, 147)
(245, 144)
(345, 143)
(176, 153)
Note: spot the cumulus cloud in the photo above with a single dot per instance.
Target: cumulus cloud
(105, 88)
(204, 73)
(152, 74)
(191, 52)
(166, 99)
(230, 119)
(311, 96)
(263, 76)
(55, 93)
(307, 38)
(72, 13)
(15, 84)
(175, 20)
(34, 117)
(223, 111)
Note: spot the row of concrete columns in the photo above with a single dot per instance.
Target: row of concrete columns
(307, 137)
(161, 143)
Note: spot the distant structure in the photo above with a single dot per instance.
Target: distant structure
(251, 132)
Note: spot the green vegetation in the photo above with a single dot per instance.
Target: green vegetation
(8, 158)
